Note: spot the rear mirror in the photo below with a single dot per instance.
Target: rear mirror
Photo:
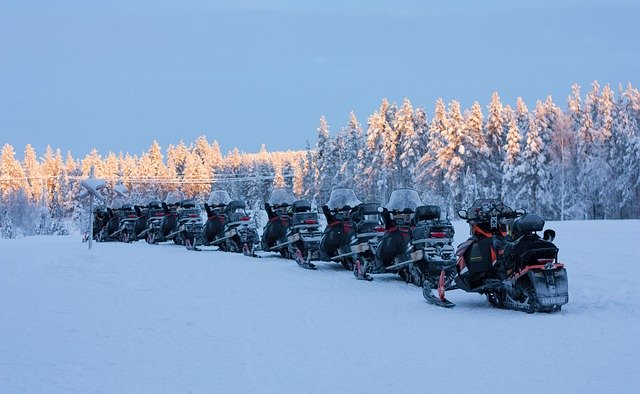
(462, 214)
(520, 211)
(549, 235)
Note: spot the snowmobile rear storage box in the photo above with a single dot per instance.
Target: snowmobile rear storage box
(528, 222)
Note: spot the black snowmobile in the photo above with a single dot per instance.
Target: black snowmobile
(165, 229)
(303, 235)
(518, 271)
(435, 237)
(275, 231)
(126, 227)
(240, 234)
(394, 251)
(216, 219)
(111, 230)
(365, 235)
(100, 221)
(190, 224)
(336, 238)
(148, 216)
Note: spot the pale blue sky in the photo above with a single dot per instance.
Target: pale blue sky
(117, 74)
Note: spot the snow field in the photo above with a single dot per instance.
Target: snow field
(143, 318)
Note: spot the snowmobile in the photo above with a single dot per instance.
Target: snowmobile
(148, 217)
(303, 235)
(394, 251)
(336, 238)
(435, 237)
(240, 232)
(189, 225)
(128, 219)
(111, 230)
(274, 232)
(100, 220)
(166, 228)
(507, 261)
(365, 237)
(216, 219)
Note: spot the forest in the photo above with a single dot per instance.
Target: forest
(581, 161)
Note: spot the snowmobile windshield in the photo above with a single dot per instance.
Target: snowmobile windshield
(190, 203)
(302, 206)
(219, 197)
(154, 204)
(483, 209)
(341, 198)
(235, 205)
(404, 199)
(117, 203)
(174, 198)
(281, 197)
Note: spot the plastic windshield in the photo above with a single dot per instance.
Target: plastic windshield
(117, 203)
(403, 199)
(483, 208)
(174, 198)
(343, 197)
(281, 197)
(219, 197)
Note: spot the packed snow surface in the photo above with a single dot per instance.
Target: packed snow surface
(143, 318)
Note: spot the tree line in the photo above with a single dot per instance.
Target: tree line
(581, 162)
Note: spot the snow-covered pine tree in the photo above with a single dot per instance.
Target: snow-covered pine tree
(350, 147)
(32, 172)
(327, 165)
(408, 143)
(475, 143)
(451, 156)
(512, 158)
(310, 174)
(372, 159)
(12, 176)
(429, 172)
(494, 136)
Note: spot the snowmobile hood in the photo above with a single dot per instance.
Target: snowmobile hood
(219, 197)
(403, 199)
(341, 198)
(281, 197)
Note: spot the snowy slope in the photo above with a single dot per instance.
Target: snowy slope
(160, 318)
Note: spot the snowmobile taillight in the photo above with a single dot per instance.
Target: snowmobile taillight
(380, 229)
(159, 214)
(132, 216)
(438, 234)
(310, 221)
(193, 215)
(245, 218)
(545, 261)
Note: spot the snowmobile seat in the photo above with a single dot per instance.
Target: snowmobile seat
(427, 212)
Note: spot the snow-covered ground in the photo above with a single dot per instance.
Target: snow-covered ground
(142, 318)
